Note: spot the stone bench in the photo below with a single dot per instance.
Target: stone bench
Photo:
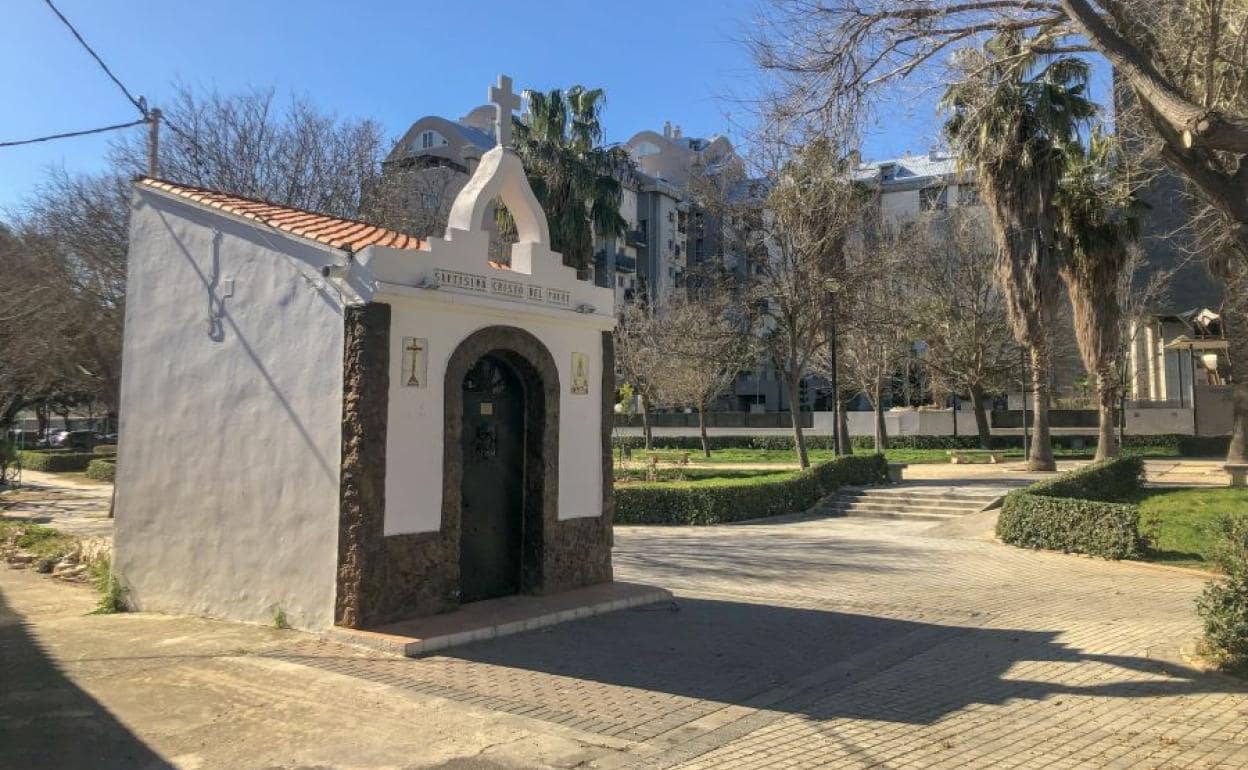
(957, 456)
(1238, 473)
(894, 472)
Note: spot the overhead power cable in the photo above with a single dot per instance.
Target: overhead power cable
(139, 104)
(69, 134)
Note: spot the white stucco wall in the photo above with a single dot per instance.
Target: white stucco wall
(414, 438)
(229, 456)
(447, 290)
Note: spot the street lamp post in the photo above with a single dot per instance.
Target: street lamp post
(832, 286)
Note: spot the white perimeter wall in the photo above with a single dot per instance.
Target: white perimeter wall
(933, 422)
(414, 437)
(229, 455)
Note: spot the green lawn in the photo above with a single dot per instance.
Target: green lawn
(762, 456)
(1180, 522)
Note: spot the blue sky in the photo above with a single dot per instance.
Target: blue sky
(678, 60)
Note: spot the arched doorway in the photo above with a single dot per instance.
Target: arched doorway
(501, 462)
(492, 526)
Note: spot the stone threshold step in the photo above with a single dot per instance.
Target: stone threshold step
(493, 618)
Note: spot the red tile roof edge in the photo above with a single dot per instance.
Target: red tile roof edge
(320, 228)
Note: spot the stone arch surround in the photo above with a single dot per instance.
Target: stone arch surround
(386, 578)
(540, 379)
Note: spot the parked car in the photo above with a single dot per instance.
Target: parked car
(28, 439)
(73, 439)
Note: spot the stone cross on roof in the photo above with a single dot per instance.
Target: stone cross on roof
(504, 102)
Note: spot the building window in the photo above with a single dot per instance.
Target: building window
(698, 250)
(968, 195)
(426, 140)
(933, 199)
(619, 281)
(888, 172)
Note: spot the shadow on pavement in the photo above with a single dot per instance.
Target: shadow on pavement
(738, 653)
(48, 721)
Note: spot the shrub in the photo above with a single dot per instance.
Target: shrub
(102, 469)
(44, 542)
(720, 501)
(112, 592)
(8, 457)
(1090, 510)
(1119, 480)
(1224, 604)
(1108, 530)
(55, 460)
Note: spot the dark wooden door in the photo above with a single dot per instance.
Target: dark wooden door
(492, 533)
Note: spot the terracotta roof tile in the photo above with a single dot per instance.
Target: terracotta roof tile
(349, 234)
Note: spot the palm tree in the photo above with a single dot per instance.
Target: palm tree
(1010, 117)
(1100, 221)
(576, 180)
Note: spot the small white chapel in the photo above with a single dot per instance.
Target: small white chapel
(347, 426)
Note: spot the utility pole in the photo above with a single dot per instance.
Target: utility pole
(153, 142)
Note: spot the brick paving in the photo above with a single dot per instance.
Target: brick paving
(861, 643)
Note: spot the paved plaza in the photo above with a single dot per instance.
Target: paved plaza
(803, 642)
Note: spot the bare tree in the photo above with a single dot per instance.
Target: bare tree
(878, 323)
(415, 200)
(249, 144)
(958, 310)
(709, 336)
(1183, 60)
(63, 301)
(641, 358)
(63, 254)
(811, 210)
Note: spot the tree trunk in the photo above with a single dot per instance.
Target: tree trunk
(1041, 458)
(706, 444)
(41, 417)
(645, 421)
(1106, 441)
(1237, 453)
(845, 445)
(981, 418)
(795, 411)
(881, 430)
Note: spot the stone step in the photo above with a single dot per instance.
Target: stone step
(909, 513)
(924, 513)
(926, 493)
(931, 503)
(926, 502)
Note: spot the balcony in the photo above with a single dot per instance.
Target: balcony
(636, 238)
(625, 263)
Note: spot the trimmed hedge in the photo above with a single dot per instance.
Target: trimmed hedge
(55, 460)
(102, 469)
(711, 503)
(1120, 480)
(104, 449)
(1090, 510)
